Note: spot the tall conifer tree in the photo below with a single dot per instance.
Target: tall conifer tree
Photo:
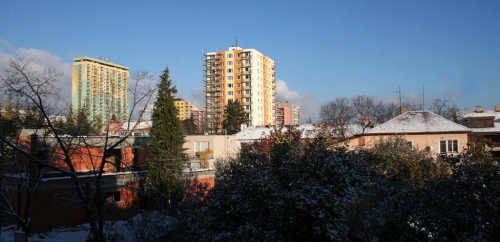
(167, 138)
(235, 117)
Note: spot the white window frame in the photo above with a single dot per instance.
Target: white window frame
(451, 145)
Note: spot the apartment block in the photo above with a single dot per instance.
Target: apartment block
(102, 87)
(282, 115)
(293, 109)
(243, 75)
(147, 112)
(198, 116)
(184, 108)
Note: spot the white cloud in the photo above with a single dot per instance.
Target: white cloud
(199, 97)
(6, 44)
(309, 108)
(44, 60)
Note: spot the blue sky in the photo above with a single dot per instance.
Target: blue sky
(322, 49)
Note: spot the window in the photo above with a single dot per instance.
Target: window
(230, 63)
(409, 144)
(229, 100)
(449, 145)
(230, 93)
(238, 62)
(200, 146)
(238, 55)
(238, 92)
(361, 141)
(238, 84)
(229, 70)
(230, 78)
(238, 77)
(230, 85)
(221, 78)
(229, 55)
(238, 100)
(238, 69)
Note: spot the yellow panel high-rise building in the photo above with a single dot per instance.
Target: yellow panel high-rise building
(102, 87)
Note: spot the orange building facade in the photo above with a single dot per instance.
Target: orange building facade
(239, 75)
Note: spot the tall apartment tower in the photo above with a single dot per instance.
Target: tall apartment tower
(102, 87)
(294, 110)
(243, 75)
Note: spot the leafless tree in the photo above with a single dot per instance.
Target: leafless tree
(366, 110)
(444, 108)
(40, 88)
(338, 112)
(386, 111)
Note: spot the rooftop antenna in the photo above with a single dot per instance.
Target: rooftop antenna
(399, 91)
(236, 41)
(423, 97)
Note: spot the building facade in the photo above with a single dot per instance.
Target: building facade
(102, 87)
(282, 115)
(147, 112)
(294, 110)
(243, 75)
(199, 120)
(184, 108)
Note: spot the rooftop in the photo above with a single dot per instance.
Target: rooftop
(418, 122)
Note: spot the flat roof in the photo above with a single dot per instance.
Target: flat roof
(103, 62)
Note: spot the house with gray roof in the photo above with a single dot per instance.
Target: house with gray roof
(422, 130)
(485, 128)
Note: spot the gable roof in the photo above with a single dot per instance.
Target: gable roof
(418, 122)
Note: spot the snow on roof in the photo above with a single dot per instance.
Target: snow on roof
(418, 122)
(117, 126)
(259, 132)
(484, 114)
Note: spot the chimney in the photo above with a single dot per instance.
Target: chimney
(497, 108)
(404, 109)
(479, 109)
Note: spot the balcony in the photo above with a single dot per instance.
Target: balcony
(247, 95)
(247, 88)
(246, 64)
(247, 72)
(246, 56)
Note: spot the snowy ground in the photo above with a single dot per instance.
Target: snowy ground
(57, 235)
(144, 227)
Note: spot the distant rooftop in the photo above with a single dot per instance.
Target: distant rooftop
(103, 62)
(418, 122)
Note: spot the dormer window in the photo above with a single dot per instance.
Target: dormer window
(481, 122)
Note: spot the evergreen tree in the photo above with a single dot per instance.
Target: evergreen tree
(234, 117)
(189, 126)
(167, 139)
(80, 124)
